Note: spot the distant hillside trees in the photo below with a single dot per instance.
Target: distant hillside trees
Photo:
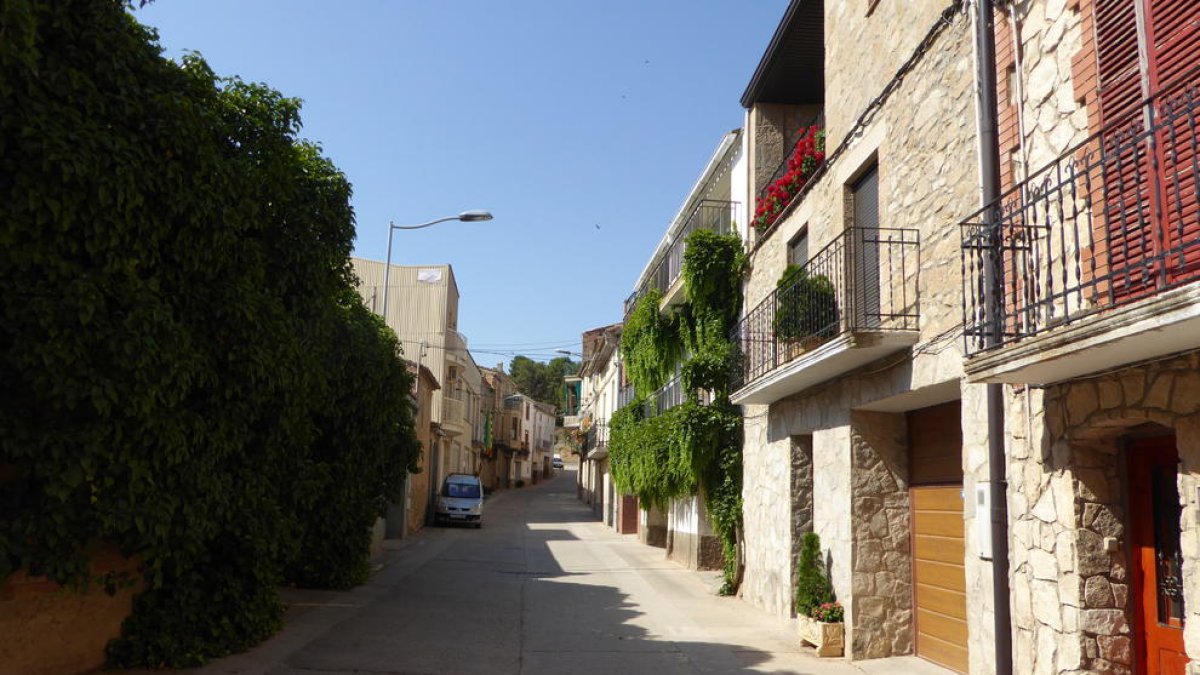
(542, 381)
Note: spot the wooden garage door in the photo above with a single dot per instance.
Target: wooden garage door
(939, 582)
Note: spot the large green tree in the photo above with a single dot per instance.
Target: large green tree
(187, 371)
(542, 381)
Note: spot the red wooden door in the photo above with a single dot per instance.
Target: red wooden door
(1157, 560)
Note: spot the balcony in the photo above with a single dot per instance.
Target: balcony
(1095, 255)
(571, 421)
(664, 398)
(855, 302)
(715, 215)
(454, 412)
(595, 441)
(625, 396)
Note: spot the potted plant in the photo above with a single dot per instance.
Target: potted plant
(806, 310)
(820, 616)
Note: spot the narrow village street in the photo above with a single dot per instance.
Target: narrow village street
(542, 588)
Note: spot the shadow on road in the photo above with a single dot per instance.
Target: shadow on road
(498, 600)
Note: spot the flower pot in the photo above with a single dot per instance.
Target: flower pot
(828, 638)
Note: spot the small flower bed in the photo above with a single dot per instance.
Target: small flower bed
(807, 157)
(829, 612)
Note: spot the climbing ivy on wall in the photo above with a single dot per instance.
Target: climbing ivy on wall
(693, 446)
(187, 371)
(650, 344)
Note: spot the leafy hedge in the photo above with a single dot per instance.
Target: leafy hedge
(187, 371)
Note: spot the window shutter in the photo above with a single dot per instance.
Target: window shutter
(1173, 37)
(1127, 192)
(1118, 69)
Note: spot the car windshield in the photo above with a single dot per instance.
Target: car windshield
(469, 490)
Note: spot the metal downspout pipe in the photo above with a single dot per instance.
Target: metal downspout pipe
(989, 148)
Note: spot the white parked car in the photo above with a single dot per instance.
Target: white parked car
(556, 462)
(460, 501)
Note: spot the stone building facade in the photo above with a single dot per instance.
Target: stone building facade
(1097, 339)
(828, 431)
(1100, 371)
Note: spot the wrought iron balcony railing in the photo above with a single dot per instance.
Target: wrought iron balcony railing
(596, 437)
(709, 214)
(1111, 221)
(664, 398)
(865, 280)
(625, 396)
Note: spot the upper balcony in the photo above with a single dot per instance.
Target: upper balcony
(625, 396)
(664, 398)
(854, 302)
(1094, 256)
(454, 415)
(709, 214)
(595, 441)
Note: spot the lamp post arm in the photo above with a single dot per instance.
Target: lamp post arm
(422, 225)
(387, 268)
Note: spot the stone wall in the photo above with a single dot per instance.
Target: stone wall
(977, 569)
(864, 49)
(1053, 113)
(1072, 611)
(766, 483)
(923, 141)
(832, 504)
(882, 577)
(802, 497)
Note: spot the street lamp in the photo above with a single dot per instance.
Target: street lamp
(465, 216)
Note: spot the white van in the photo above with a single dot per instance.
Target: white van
(460, 501)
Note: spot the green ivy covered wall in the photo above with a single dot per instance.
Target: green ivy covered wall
(695, 447)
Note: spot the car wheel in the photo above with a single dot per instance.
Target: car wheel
(478, 525)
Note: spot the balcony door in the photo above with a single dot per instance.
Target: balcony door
(1147, 53)
(864, 248)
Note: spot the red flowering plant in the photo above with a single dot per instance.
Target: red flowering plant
(807, 157)
(829, 612)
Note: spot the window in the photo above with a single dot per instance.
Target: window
(866, 199)
(463, 490)
(865, 196)
(797, 248)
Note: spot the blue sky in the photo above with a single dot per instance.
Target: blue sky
(580, 125)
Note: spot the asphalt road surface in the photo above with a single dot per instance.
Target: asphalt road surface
(542, 588)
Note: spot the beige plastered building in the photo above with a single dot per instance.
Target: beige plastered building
(423, 311)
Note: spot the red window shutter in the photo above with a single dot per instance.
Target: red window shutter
(1118, 69)
(1173, 50)
(1173, 38)
(1127, 229)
